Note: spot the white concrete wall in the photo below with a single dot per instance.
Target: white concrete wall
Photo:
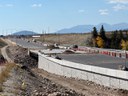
(107, 77)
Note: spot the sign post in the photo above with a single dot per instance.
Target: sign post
(125, 57)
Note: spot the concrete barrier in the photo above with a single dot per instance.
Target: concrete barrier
(103, 76)
(118, 55)
(110, 52)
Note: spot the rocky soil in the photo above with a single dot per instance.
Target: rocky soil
(19, 55)
(24, 82)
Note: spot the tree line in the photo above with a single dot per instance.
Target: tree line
(115, 40)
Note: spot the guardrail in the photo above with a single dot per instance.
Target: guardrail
(103, 76)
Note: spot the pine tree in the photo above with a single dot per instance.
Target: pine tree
(102, 33)
(94, 32)
(115, 41)
(94, 36)
(121, 35)
(126, 34)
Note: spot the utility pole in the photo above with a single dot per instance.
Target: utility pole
(48, 29)
(125, 57)
(58, 38)
(43, 35)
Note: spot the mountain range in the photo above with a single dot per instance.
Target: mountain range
(25, 32)
(82, 29)
(88, 28)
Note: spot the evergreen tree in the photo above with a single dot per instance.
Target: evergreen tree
(94, 36)
(119, 38)
(121, 35)
(94, 32)
(115, 42)
(103, 36)
(126, 35)
(102, 33)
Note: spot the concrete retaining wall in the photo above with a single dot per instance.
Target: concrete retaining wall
(103, 76)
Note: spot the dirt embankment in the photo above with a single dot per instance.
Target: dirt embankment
(24, 82)
(19, 55)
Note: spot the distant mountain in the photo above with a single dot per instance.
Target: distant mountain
(77, 29)
(88, 28)
(25, 32)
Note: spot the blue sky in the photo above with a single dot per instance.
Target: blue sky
(38, 15)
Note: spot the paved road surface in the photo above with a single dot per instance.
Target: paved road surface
(96, 60)
(27, 44)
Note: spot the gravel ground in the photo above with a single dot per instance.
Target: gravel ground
(40, 83)
(23, 82)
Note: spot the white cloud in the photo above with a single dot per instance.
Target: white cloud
(36, 5)
(118, 1)
(9, 5)
(6, 5)
(81, 11)
(120, 7)
(103, 11)
(119, 4)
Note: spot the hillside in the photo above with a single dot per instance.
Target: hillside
(25, 32)
(65, 38)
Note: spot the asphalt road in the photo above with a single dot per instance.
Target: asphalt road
(27, 44)
(96, 60)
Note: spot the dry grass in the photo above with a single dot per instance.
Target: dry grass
(65, 38)
(5, 74)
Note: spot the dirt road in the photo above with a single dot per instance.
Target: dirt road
(5, 55)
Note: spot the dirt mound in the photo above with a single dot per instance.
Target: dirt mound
(68, 52)
(19, 55)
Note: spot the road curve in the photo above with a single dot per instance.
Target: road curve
(4, 52)
(5, 55)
